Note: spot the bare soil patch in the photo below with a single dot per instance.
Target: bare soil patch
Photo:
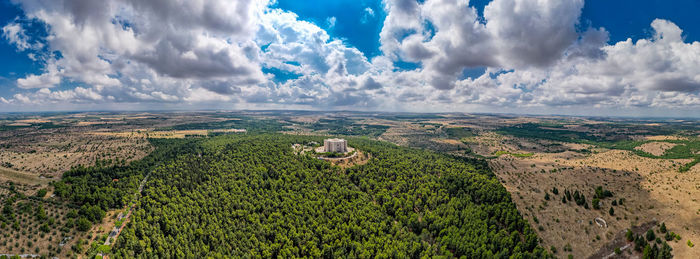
(665, 137)
(652, 189)
(656, 148)
(49, 155)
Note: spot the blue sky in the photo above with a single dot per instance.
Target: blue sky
(14, 63)
(365, 55)
(622, 18)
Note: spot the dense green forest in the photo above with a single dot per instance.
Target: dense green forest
(251, 196)
(98, 188)
(241, 122)
(349, 127)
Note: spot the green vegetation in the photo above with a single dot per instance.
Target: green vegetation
(549, 132)
(684, 149)
(410, 117)
(11, 127)
(349, 127)
(97, 189)
(458, 132)
(47, 125)
(652, 250)
(602, 193)
(335, 154)
(251, 196)
(501, 152)
(579, 198)
(41, 193)
(687, 166)
(248, 123)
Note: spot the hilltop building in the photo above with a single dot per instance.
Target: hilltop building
(335, 145)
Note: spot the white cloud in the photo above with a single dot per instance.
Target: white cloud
(656, 72)
(46, 96)
(189, 40)
(448, 36)
(214, 51)
(330, 22)
(48, 79)
(367, 15)
(532, 33)
(14, 33)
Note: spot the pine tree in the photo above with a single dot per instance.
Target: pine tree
(650, 235)
(629, 235)
(596, 203)
(662, 228)
(611, 211)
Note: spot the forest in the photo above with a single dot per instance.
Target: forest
(249, 195)
(350, 127)
(235, 122)
(96, 189)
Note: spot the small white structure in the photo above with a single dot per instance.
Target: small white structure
(335, 145)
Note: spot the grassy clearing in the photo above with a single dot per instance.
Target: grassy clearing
(20, 177)
(500, 153)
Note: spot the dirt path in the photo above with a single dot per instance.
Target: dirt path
(21, 255)
(608, 250)
(114, 234)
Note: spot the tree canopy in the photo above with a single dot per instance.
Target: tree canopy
(251, 196)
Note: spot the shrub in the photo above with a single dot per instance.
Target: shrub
(41, 193)
(596, 203)
(83, 224)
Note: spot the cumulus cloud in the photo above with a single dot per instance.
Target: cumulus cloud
(115, 46)
(214, 52)
(448, 36)
(46, 96)
(660, 71)
(532, 33)
(48, 79)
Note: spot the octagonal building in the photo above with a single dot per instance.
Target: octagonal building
(335, 145)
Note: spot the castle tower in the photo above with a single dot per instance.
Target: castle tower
(335, 145)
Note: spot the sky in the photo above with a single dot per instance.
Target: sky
(575, 57)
